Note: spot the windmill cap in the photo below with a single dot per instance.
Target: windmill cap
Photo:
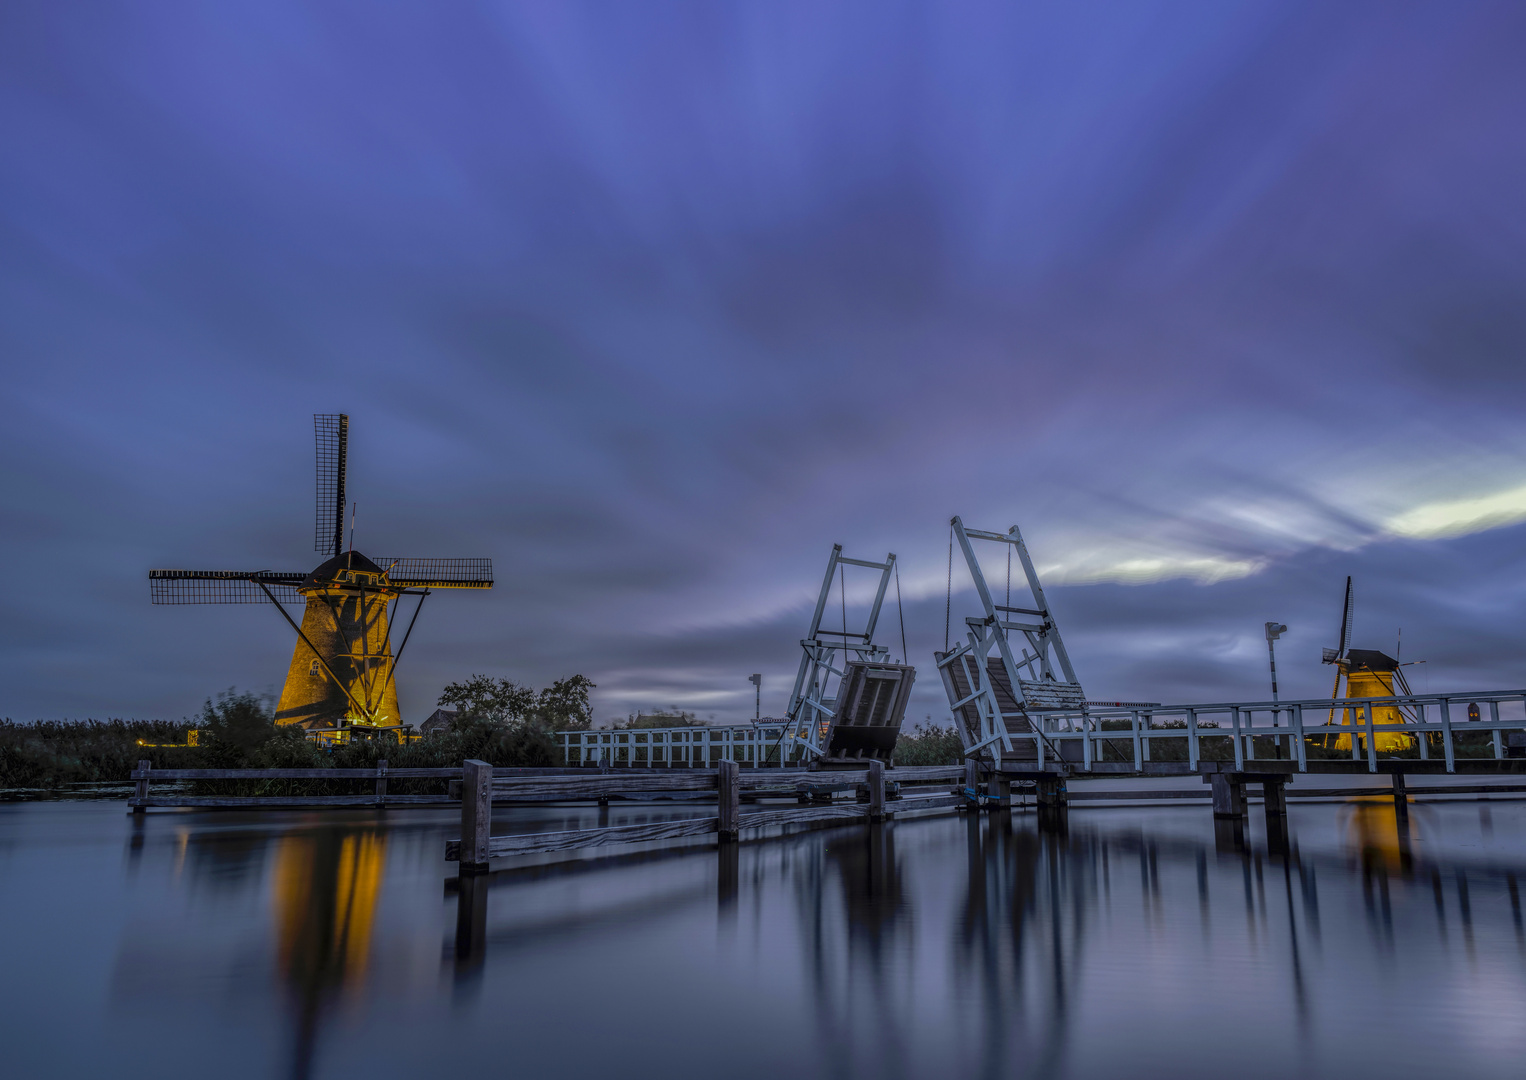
(349, 561)
(1370, 660)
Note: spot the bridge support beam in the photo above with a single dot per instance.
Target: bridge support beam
(1401, 799)
(1051, 792)
(1228, 795)
(1228, 786)
(1001, 787)
(876, 790)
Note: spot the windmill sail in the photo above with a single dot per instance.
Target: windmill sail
(223, 586)
(439, 573)
(341, 671)
(1348, 613)
(332, 431)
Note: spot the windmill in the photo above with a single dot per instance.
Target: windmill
(341, 673)
(1368, 673)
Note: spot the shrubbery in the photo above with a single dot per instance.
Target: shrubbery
(52, 753)
(499, 722)
(929, 745)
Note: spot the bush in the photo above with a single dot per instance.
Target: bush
(929, 745)
(49, 754)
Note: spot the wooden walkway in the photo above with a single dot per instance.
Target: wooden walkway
(481, 788)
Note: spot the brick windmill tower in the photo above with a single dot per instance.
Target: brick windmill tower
(341, 674)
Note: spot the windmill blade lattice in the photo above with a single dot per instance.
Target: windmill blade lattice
(439, 573)
(332, 432)
(223, 587)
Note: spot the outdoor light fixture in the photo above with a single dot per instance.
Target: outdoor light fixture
(757, 682)
(1274, 630)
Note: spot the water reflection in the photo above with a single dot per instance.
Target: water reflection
(983, 945)
(325, 887)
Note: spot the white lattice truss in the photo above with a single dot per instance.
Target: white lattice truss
(813, 699)
(1039, 679)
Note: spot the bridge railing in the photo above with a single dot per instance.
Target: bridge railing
(1489, 723)
(1235, 731)
(755, 745)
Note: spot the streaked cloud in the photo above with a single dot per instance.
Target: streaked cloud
(1459, 517)
(1218, 301)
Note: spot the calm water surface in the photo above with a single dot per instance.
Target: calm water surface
(1134, 942)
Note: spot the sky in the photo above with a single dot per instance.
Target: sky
(652, 303)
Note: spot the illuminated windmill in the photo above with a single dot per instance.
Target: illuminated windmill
(341, 671)
(1368, 674)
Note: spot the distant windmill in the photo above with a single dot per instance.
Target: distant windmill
(1368, 673)
(341, 672)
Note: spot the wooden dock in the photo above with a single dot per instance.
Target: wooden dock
(481, 788)
(757, 800)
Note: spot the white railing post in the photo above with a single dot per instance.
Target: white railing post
(1192, 753)
(1494, 718)
(1298, 746)
(1234, 724)
(1446, 734)
(1372, 739)
(1138, 742)
(1425, 739)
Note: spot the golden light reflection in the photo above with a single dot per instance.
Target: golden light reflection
(1375, 834)
(325, 897)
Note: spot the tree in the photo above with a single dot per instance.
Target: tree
(564, 706)
(483, 699)
(234, 729)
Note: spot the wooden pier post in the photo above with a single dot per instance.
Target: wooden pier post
(476, 814)
(1003, 801)
(971, 784)
(1401, 798)
(876, 790)
(471, 921)
(1051, 792)
(381, 783)
(1276, 798)
(1228, 795)
(728, 781)
(728, 877)
(140, 795)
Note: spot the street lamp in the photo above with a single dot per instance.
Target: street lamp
(757, 682)
(1274, 631)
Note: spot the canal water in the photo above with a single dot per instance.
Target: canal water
(1122, 942)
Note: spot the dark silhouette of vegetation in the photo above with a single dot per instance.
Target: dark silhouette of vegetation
(503, 703)
(51, 754)
(500, 722)
(639, 721)
(929, 745)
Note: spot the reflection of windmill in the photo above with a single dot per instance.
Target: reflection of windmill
(341, 671)
(1368, 673)
(326, 886)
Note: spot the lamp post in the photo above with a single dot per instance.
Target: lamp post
(757, 682)
(1273, 632)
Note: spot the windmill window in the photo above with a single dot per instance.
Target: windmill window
(312, 669)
